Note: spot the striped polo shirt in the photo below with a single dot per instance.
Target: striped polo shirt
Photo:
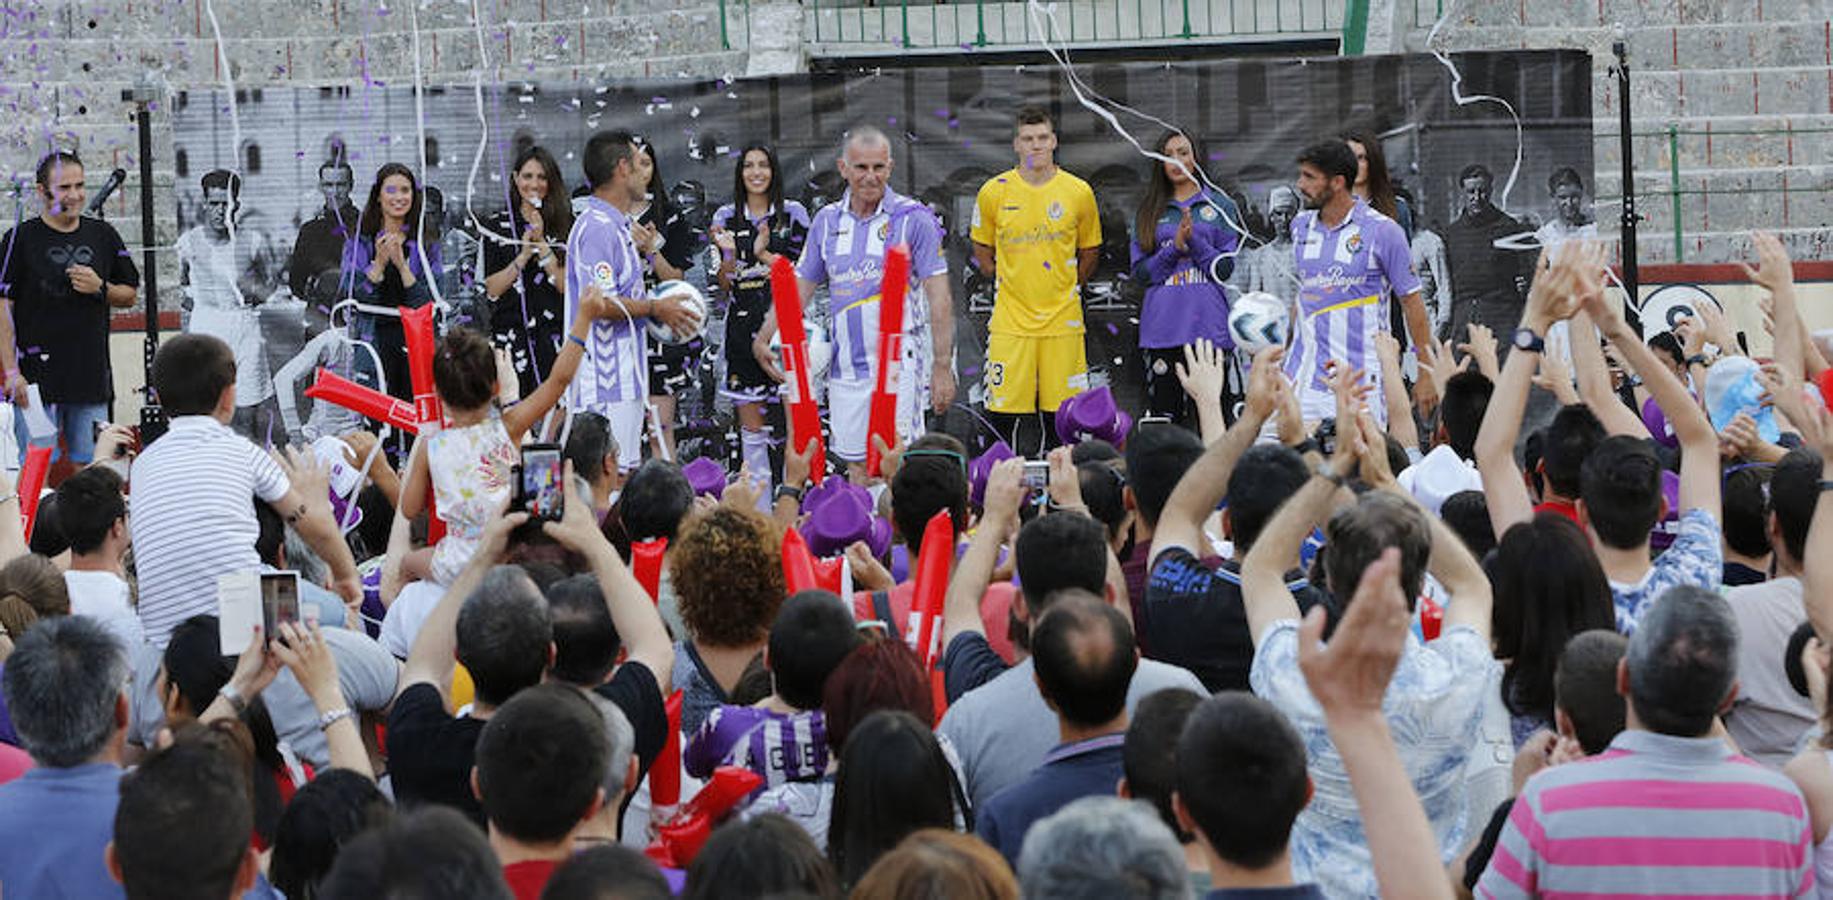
(192, 518)
(599, 251)
(847, 253)
(1655, 815)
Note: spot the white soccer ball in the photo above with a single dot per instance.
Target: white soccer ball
(1258, 320)
(820, 350)
(691, 297)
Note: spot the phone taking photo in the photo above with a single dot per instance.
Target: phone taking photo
(1037, 474)
(279, 601)
(541, 482)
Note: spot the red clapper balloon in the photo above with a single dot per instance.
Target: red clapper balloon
(329, 387)
(804, 417)
(931, 585)
(891, 295)
(646, 565)
(32, 483)
(798, 563)
(417, 324)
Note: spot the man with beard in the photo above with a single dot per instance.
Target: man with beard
(1350, 258)
(315, 270)
(1488, 283)
(227, 271)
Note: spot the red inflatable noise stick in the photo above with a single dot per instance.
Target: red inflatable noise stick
(1825, 381)
(931, 585)
(417, 325)
(828, 573)
(882, 418)
(665, 773)
(364, 401)
(804, 417)
(32, 483)
(646, 565)
(1431, 619)
(680, 840)
(798, 563)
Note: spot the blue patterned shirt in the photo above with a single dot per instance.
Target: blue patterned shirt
(1695, 558)
(1434, 709)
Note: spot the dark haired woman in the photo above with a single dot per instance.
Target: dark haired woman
(751, 232)
(1373, 181)
(1184, 242)
(525, 266)
(667, 241)
(389, 266)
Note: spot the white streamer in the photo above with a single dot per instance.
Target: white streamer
(1082, 93)
(235, 121)
(426, 267)
(1458, 97)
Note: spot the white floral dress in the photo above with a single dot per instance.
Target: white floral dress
(473, 470)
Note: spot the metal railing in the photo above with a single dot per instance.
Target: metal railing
(979, 24)
(735, 24)
(1673, 196)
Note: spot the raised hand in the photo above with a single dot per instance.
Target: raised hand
(1774, 271)
(1202, 372)
(1481, 347)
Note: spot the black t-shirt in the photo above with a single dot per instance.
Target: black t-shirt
(969, 662)
(633, 688)
(679, 242)
(540, 298)
(431, 752)
(62, 336)
(1193, 617)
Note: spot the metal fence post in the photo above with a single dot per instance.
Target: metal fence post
(1187, 32)
(725, 42)
(980, 23)
(1674, 189)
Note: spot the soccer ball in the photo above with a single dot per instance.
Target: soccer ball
(1257, 321)
(695, 302)
(820, 350)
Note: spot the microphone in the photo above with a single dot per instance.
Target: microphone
(108, 188)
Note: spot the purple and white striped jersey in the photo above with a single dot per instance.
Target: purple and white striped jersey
(848, 254)
(599, 251)
(1346, 275)
(776, 746)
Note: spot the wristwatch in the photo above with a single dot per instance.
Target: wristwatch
(1526, 339)
(1698, 359)
(787, 490)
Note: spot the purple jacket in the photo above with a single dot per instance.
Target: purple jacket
(1184, 298)
(780, 748)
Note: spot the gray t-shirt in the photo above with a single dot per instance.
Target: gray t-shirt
(1003, 730)
(366, 673)
(1769, 718)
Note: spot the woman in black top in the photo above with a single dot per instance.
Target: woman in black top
(391, 264)
(668, 243)
(525, 266)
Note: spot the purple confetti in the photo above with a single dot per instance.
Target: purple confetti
(970, 371)
(1046, 265)
(1112, 328)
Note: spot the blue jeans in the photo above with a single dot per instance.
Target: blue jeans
(75, 424)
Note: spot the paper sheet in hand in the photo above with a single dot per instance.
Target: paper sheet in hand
(37, 423)
(238, 610)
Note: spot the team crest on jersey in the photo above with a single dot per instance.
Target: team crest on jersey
(884, 229)
(1208, 214)
(1056, 210)
(1354, 242)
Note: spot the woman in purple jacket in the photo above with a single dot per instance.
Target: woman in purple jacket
(1184, 245)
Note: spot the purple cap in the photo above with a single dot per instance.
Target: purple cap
(982, 466)
(1093, 414)
(1657, 423)
(707, 477)
(842, 517)
(818, 494)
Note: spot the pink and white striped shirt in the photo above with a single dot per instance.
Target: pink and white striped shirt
(1655, 815)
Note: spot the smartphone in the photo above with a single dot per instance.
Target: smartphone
(279, 601)
(540, 484)
(1037, 474)
(95, 434)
